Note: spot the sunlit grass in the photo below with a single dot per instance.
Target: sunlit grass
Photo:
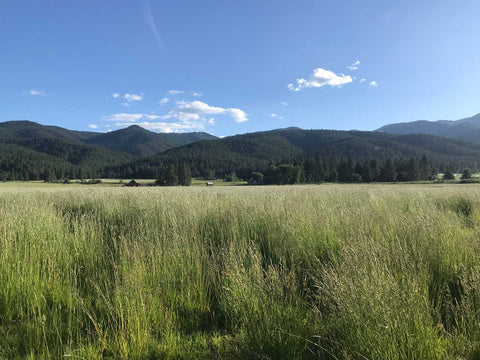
(288, 272)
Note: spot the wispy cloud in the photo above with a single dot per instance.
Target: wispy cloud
(128, 98)
(164, 101)
(319, 78)
(183, 92)
(276, 116)
(35, 92)
(149, 20)
(130, 117)
(363, 80)
(354, 66)
(373, 83)
(133, 97)
(284, 103)
(93, 126)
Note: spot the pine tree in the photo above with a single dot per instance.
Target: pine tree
(448, 175)
(172, 178)
(359, 169)
(425, 169)
(413, 173)
(374, 171)
(184, 175)
(466, 174)
(388, 172)
(300, 174)
(367, 173)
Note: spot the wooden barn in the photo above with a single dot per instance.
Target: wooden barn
(132, 183)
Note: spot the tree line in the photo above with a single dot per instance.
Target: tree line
(175, 175)
(331, 169)
(313, 169)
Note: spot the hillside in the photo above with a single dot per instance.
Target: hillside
(19, 163)
(29, 150)
(467, 129)
(60, 143)
(140, 142)
(67, 153)
(253, 152)
(28, 129)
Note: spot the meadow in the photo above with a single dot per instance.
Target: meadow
(242, 272)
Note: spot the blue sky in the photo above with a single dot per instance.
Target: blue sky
(230, 67)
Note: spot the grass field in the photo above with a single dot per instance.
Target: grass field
(290, 272)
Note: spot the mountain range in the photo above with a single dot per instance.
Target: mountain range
(467, 129)
(254, 151)
(29, 150)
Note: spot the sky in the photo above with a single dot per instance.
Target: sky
(237, 66)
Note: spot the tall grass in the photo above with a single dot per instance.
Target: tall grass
(293, 272)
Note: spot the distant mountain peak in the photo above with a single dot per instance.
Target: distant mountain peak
(467, 129)
(135, 127)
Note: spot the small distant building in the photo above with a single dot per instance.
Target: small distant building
(132, 183)
(209, 183)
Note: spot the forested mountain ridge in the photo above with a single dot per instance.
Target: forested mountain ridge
(254, 151)
(61, 143)
(138, 141)
(50, 151)
(10, 130)
(53, 150)
(467, 129)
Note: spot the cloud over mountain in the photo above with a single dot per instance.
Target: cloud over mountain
(319, 78)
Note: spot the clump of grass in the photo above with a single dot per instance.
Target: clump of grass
(300, 272)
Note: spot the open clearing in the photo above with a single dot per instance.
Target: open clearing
(278, 272)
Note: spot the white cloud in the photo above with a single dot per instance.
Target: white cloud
(319, 78)
(276, 116)
(176, 92)
(191, 116)
(238, 115)
(198, 107)
(373, 83)
(284, 103)
(36, 92)
(363, 80)
(354, 66)
(164, 101)
(93, 126)
(128, 99)
(197, 94)
(124, 117)
(194, 109)
(133, 97)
